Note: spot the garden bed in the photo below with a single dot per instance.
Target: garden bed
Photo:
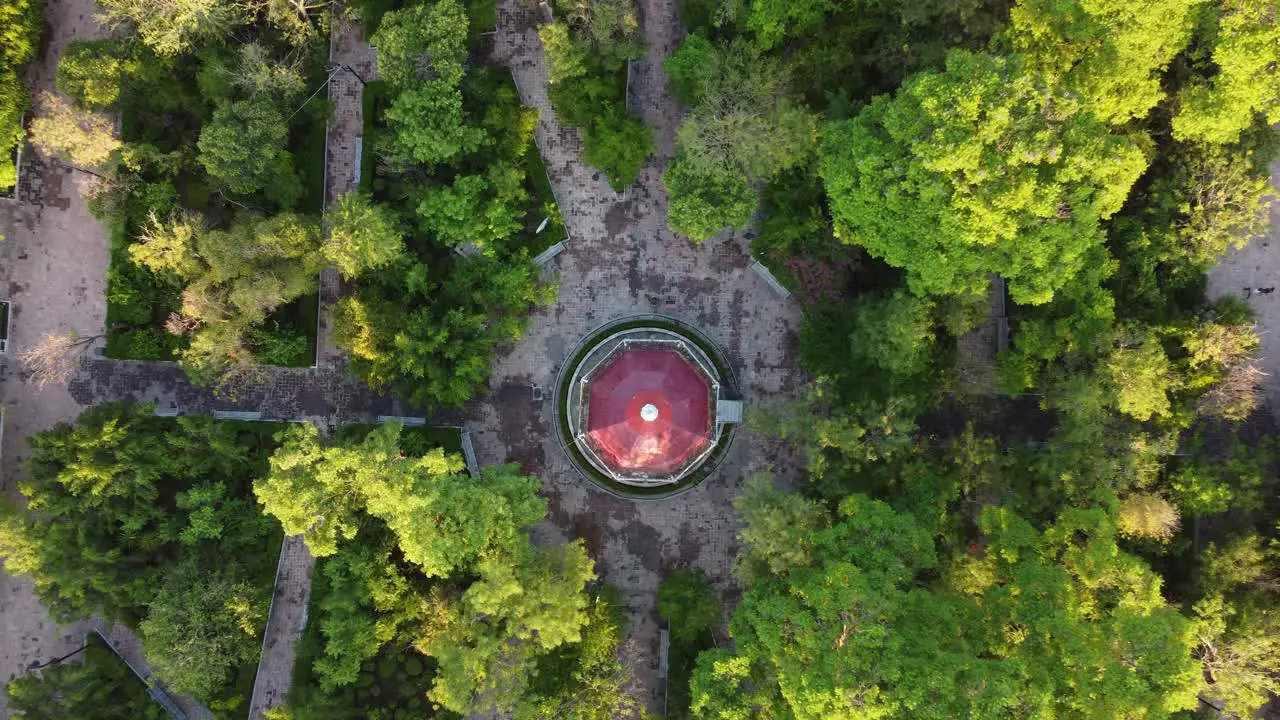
(394, 682)
(480, 85)
(140, 301)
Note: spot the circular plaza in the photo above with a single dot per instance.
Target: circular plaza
(644, 406)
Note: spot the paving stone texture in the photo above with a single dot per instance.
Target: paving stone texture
(1253, 274)
(286, 621)
(622, 260)
(53, 270)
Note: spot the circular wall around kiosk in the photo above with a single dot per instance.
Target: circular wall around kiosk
(636, 406)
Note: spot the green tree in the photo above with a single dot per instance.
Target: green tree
(1054, 623)
(618, 143)
(778, 529)
(894, 333)
(690, 69)
(566, 59)
(429, 123)
(688, 602)
(479, 209)
(745, 122)
(235, 278)
(1246, 48)
(704, 203)
(363, 235)
(1238, 626)
(534, 598)
(444, 521)
(79, 136)
(977, 170)
(201, 629)
(170, 27)
(243, 144)
(1140, 376)
(1109, 52)
(586, 680)
(93, 72)
(20, 26)
(106, 525)
(421, 42)
(432, 341)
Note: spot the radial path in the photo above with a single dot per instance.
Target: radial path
(622, 260)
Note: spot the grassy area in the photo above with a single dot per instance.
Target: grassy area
(542, 205)
(566, 439)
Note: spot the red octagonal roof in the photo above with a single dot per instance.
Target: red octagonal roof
(649, 411)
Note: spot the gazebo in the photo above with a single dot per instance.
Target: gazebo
(642, 407)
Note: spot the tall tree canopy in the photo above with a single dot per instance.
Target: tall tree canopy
(119, 496)
(1109, 52)
(497, 603)
(1059, 623)
(1246, 49)
(974, 170)
(444, 520)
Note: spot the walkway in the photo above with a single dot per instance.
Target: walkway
(288, 616)
(1253, 274)
(129, 647)
(53, 266)
(622, 260)
(285, 623)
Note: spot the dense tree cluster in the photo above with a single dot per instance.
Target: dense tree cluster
(215, 142)
(429, 588)
(150, 520)
(458, 183)
(419, 555)
(1063, 552)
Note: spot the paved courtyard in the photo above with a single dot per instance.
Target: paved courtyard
(622, 260)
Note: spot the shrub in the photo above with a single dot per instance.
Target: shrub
(618, 144)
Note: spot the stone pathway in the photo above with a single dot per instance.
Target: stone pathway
(977, 351)
(355, 64)
(129, 647)
(285, 623)
(53, 265)
(1253, 274)
(622, 260)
